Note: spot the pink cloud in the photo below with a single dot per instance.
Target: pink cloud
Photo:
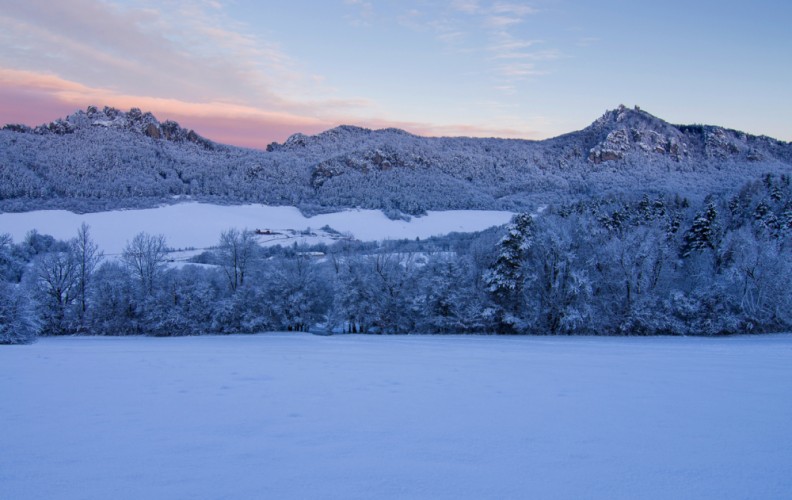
(450, 129)
(34, 98)
(30, 107)
(247, 132)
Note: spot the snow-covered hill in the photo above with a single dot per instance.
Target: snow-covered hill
(198, 225)
(103, 159)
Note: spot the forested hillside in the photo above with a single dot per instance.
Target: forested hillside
(99, 159)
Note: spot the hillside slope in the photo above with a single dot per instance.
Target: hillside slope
(98, 159)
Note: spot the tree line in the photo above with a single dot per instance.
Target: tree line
(645, 266)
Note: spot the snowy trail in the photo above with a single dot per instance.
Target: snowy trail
(301, 416)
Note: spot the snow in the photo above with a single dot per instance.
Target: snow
(199, 225)
(302, 416)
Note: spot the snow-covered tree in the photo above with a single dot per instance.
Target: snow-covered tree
(116, 305)
(88, 256)
(57, 282)
(506, 278)
(18, 322)
(11, 265)
(633, 269)
(236, 251)
(299, 297)
(703, 234)
(447, 299)
(392, 285)
(756, 281)
(145, 258)
(354, 297)
(183, 304)
(561, 287)
(249, 310)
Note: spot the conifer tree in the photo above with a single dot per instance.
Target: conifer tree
(505, 279)
(703, 233)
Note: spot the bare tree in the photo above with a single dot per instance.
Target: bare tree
(236, 249)
(88, 256)
(57, 281)
(145, 259)
(392, 280)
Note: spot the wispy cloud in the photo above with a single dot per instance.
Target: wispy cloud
(513, 9)
(505, 46)
(538, 55)
(502, 21)
(587, 41)
(504, 26)
(175, 52)
(520, 70)
(466, 6)
(363, 12)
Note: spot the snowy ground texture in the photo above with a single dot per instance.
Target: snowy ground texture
(199, 225)
(301, 416)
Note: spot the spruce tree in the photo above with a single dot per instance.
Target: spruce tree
(506, 278)
(703, 233)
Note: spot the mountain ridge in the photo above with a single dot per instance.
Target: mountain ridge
(101, 158)
(171, 130)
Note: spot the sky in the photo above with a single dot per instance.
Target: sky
(252, 72)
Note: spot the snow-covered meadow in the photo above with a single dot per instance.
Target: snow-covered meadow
(302, 416)
(199, 225)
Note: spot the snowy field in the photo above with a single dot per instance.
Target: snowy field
(199, 225)
(301, 416)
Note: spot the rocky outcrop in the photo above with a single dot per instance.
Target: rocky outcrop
(133, 120)
(152, 131)
(637, 133)
(720, 143)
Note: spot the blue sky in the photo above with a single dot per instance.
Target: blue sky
(251, 72)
